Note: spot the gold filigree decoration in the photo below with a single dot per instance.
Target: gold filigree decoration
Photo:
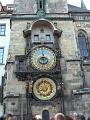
(44, 88)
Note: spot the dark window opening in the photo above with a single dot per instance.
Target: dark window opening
(36, 38)
(21, 66)
(41, 6)
(48, 38)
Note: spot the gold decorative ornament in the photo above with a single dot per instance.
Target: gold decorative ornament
(30, 86)
(44, 88)
(43, 58)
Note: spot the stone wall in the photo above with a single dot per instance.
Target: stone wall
(30, 6)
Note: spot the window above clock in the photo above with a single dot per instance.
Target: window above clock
(42, 34)
(46, 38)
(36, 38)
(42, 31)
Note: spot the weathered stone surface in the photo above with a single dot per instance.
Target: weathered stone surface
(30, 6)
(25, 6)
(56, 6)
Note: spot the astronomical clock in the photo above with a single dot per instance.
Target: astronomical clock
(43, 61)
(43, 58)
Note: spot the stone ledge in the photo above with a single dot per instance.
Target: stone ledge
(86, 62)
(81, 91)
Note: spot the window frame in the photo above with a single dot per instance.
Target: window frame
(83, 44)
(2, 29)
(49, 36)
(1, 55)
(37, 37)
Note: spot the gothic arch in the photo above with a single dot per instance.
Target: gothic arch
(82, 43)
(83, 32)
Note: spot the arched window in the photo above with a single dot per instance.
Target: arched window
(83, 44)
(41, 5)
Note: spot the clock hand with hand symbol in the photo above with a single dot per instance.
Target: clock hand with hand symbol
(43, 59)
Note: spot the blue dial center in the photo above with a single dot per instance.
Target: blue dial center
(43, 60)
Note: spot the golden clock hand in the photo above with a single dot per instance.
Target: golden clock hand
(42, 57)
(42, 53)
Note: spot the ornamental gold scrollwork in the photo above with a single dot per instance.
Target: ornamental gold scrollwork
(30, 86)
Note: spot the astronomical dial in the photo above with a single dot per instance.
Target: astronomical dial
(43, 58)
(44, 88)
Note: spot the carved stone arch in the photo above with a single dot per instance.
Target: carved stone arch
(83, 32)
(55, 30)
(43, 21)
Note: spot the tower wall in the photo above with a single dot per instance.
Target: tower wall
(30, 6)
